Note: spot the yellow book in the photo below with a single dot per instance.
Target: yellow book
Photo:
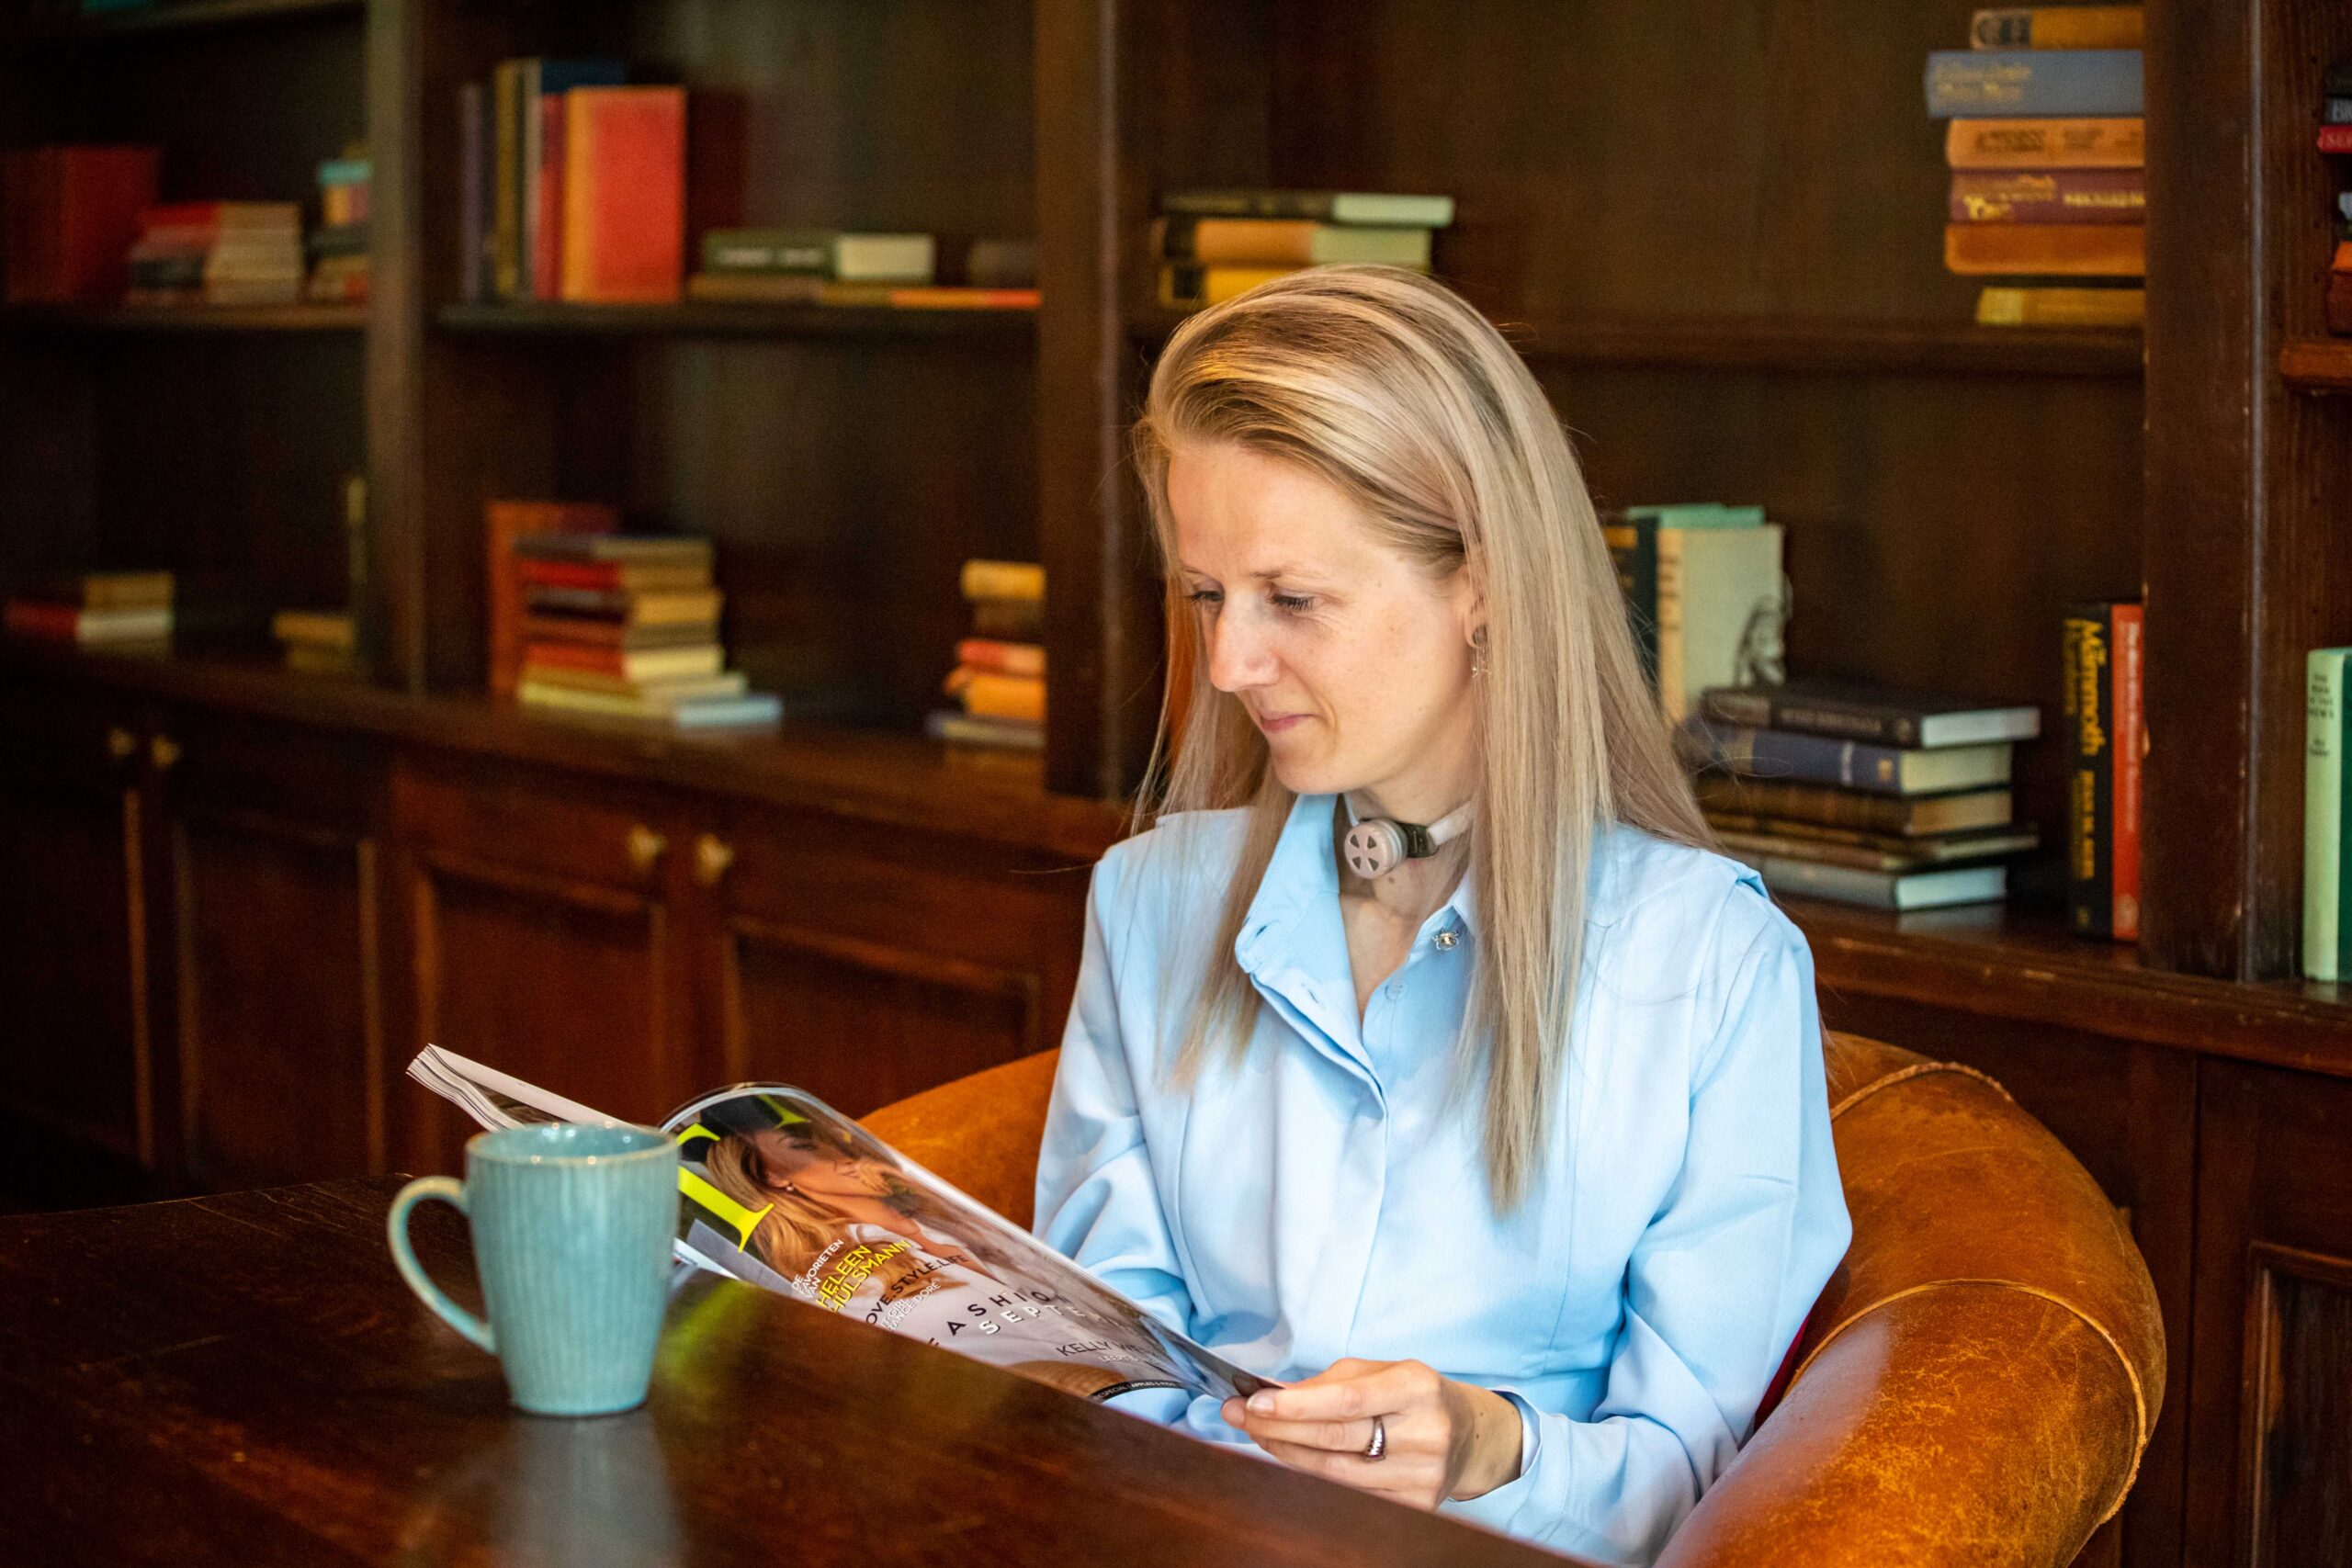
(1004, 580)
(1184, 285)
(2056, 27)
(2002, 306)
(1001, 696)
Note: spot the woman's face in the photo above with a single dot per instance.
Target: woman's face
(788, 1164)
(1353, 663)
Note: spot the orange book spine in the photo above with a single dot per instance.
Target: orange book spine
(2129, 673)
(625, 195)
(997, 658)
(1018, 697)
(2120, 142)
(2059, 250)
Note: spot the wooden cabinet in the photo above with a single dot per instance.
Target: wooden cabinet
(2270, 1396)
(77, 1047)
(271, 866)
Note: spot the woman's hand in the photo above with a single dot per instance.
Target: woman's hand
(1444, 1438)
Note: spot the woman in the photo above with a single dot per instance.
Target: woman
(1513, 1156)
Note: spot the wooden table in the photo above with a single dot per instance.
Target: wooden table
(245, 1380)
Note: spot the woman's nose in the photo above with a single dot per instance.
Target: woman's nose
(1237, 656)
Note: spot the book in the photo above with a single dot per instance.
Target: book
(48, 621)
(2048, 195)
(1881, 714)
(2056, 27)
(1002, 580)
(696, 607)
(112, 591)
(932, 296)
(1969, 843)
(506, 527)
(1793, 800)
(2336, 111)
(1851, 764)
(70, 214)
(1704, 595)
(925, 1260)
(2046, 305)
(688, 662)
(604, 545)
(2101, 649)
(1185, 286)
(843, 256)
(582, 632)
(671, 690)
(970, 729)
(332, 629)
(624, 197)
(988, 695)
(1895, 890)
(476, 263)
(1939, 850)
(751, 710)
(1002, 658)
(540, 163)
(1010, 620)
(2063, 82)
(636, 577)
(1376, 208)
(2324, 879)
(2055, 250)
(2047, 143)
(2336, 138)
(1282, 242)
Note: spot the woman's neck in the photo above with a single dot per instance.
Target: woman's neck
(1413, 890)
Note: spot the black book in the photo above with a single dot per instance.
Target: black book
(1847, 710)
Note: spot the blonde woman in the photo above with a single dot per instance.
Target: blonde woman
(1499, 1130)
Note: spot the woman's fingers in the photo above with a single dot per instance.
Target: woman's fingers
(1413, 1481)
(1342, 1437)
(1382, 1389)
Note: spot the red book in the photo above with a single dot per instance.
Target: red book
(607, 575)
(34, 617)
(74, 214)
(625, 195)
(2131, 728)
(547, 232)
(2336, 138)
(1001, 657)
(503, 522)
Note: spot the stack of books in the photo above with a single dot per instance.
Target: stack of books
(836, 266)
(1000, 674)
(317, 642)
(2104, 661)
(2048, 151)
(1213, 244)
(626, 626)
(97, 609)
(1706, 594)
(338, 247)
(219, 253)
(1862, 795)
(68, 216)
(573, 185)
(2336, 136)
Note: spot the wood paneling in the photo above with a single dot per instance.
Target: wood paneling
(2270, 1394)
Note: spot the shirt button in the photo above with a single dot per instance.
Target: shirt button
(1396, 990)
(1445, 939)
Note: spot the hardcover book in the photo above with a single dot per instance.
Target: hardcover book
(1882, 714)
(1373, 207)
(1705, 594)
(1989, 83)
(1829, 806)
(506, 526)
(2102, 652)
(1851, 764)
(2324, 884)
(1275, 241)
(2047, 305)
(2056, 27)
(2050, 196)
(2056, 249)
(2047, 143)
(625, 195)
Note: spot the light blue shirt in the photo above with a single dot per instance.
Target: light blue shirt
(1328, 1198)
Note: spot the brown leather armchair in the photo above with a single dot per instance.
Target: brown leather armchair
(1974, 1386)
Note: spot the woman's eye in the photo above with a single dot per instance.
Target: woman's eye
(1205, 596)
(1291, 603)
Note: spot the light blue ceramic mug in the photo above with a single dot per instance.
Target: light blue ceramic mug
(572, 1227)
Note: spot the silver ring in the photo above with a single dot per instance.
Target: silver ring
(1379, 1444)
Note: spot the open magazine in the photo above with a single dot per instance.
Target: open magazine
(780, 1191)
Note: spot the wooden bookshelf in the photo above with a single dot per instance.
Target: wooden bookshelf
(2317, 363)
(295, 318)
(698, 319)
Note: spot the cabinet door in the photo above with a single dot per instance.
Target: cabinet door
(541, 938)
(274, 855)
(2270, 1406)
(863, 963)
(76, 1048)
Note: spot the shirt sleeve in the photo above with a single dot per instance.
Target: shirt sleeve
(1097, 1200)
(1717, 1287)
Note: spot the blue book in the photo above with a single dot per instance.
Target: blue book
(2033, 83)
(1851, 764)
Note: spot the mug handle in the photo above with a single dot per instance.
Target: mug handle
(452, 1192)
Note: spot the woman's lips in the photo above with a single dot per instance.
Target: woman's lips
(1275, 724)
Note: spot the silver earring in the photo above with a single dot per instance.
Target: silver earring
(1478, 653)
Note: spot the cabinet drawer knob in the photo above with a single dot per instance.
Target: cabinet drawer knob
(644, 847)
(122, 745)
(164, 752)
(713, 855)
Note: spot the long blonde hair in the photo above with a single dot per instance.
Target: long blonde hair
(1395, 391)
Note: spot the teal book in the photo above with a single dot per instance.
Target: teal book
(2033, 83)
(2324, 802)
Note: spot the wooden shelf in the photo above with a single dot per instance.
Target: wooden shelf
(1764, 342)
(736, 320)
(183, 16)
(338, 318)
(2317, 363)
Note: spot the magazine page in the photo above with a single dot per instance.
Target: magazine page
(784, 1191)
(780, 1191)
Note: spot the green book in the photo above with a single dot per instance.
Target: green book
(2324, 881)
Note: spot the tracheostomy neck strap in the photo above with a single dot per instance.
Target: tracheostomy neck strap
(1375, 846)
